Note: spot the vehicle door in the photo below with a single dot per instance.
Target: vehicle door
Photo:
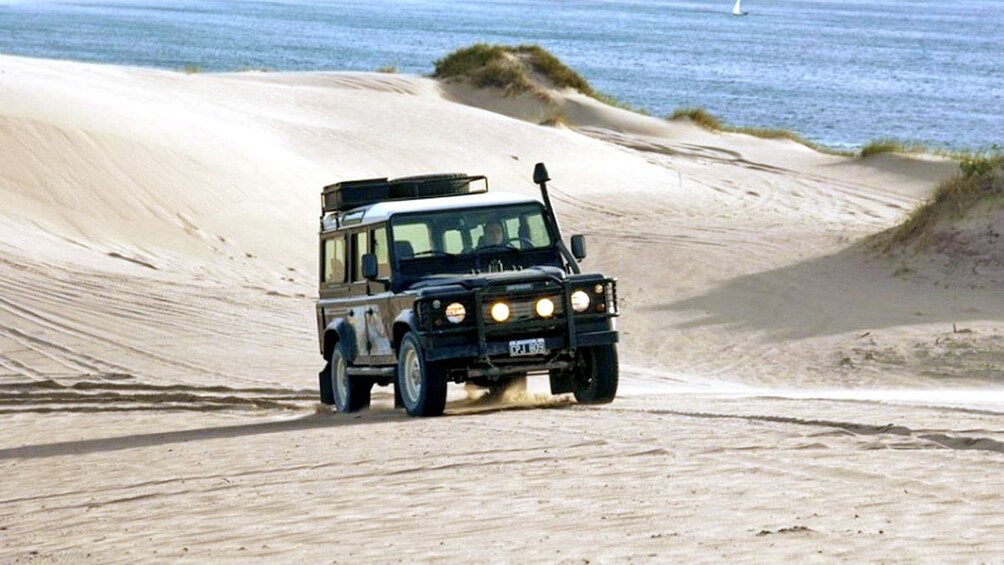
(379, 314)
(359, 301)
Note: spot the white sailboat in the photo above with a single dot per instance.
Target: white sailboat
(737, 9)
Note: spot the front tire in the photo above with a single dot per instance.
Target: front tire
(349, 395)
(422, 384)
(596, 375)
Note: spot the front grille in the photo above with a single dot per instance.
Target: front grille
(522, 312)
(522, 309)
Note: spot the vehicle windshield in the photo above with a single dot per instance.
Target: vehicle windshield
(473, 231)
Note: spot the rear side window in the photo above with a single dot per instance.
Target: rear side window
(382, 252)
(333, 262)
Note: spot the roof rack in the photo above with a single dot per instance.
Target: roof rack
(346, 195)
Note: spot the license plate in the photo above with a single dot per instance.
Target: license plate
(523, 347)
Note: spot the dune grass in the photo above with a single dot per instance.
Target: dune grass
(509, 68)
(699, 116)
(888, 145)
(517, 69)
(388, 69)
(980, 182)
(708, 121)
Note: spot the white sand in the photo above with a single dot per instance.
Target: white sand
(784, 394)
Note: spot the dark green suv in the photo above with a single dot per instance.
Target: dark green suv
(431, 279)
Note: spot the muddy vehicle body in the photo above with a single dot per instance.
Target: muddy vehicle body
(429, 280)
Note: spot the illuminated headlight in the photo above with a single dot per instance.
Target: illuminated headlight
(456, 312)
(580, 301)
(545, 308)
(500, 312)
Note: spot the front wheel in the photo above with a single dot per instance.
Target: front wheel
(422, 384)
(350, 395)
(596, 375)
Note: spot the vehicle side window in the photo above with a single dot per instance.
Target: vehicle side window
(334, 260)
(382, 252)
(360, 247)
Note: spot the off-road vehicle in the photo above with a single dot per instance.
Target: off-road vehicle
(431, 279)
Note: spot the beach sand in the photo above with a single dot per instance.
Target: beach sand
(786, 392)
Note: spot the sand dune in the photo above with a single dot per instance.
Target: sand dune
(786, 394)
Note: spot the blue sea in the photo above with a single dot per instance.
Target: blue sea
(840, 72)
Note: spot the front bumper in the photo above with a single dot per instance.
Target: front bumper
(479, 346)
(498, 350)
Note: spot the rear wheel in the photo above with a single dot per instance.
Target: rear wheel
(350, 395)
(324, 383)
(596, 375)
(422, 384)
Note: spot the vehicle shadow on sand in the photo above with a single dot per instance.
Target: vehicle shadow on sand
(133, 441)
(322, 417)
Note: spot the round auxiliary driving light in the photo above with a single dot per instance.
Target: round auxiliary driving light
(500, 312)
(598, 289)
(456, 312)
(545, 308)
(580, 301)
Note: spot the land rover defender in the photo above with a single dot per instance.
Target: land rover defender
(433, 279)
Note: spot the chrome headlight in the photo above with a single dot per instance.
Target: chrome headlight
(580, 301)
(545, 308)
(456, 312)
(500, 311)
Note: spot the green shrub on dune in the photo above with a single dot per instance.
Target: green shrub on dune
(980, 165)
(699, 116)
(706, 120)
(509, 68)
(559, 74)
(878, 146)
(980, 182)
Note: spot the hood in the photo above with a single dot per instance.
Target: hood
(478, 280)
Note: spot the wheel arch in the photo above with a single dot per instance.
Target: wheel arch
(404, 323)
(339, 331)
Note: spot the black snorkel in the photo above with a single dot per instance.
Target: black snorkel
(540, 178)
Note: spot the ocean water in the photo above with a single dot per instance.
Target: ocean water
(840, 72)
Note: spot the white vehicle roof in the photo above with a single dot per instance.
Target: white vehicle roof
(382, 211)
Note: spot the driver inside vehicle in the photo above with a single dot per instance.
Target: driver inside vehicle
(493, 235)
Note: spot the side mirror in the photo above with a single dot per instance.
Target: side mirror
(579, 247)
(370, 268)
